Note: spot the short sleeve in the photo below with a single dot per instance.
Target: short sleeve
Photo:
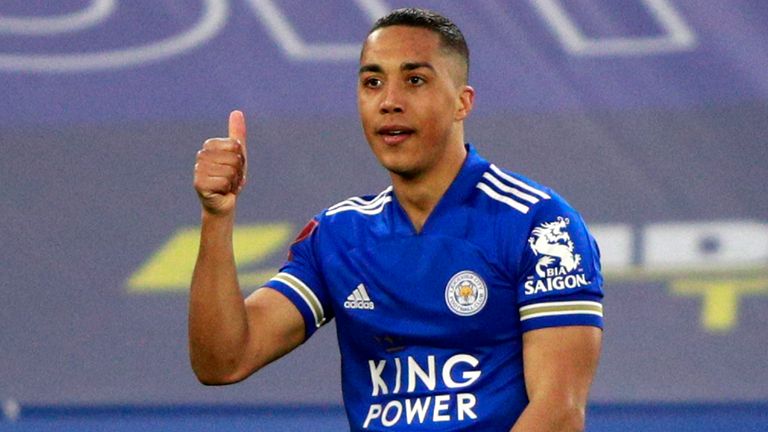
(301, 281)
(560, 280)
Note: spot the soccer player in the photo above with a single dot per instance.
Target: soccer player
(466, 297)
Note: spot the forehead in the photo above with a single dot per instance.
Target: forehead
(401, 43)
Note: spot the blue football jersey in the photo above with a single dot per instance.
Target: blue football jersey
(430, 323)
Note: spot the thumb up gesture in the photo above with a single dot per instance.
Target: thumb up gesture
(221, 167)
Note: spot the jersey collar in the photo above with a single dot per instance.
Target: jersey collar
(452, 202)
(464, 184)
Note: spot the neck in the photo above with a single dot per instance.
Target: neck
(420, 194)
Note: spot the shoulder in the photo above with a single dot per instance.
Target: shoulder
(341, 226)
(508, 191)
(355, 210)
(516, 206)
(364, 205)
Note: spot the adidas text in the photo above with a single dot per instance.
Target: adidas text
(359, 304)
(359, 299)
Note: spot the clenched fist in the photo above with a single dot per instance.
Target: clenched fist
(221, 167)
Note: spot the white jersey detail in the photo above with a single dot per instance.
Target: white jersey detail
(305, 293)
(360, 201)
(369, 207)
(359, 299)
(522, 208)
(504, 188)
(548, 309)
(519, 183)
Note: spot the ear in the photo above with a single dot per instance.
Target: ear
(464, 102)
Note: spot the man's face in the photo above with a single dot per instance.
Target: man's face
(412, 99)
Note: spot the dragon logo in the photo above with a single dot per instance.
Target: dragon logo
(552, 241)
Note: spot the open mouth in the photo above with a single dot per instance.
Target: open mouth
(395, 134)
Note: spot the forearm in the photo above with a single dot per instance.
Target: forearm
(550, 417)
(218, 326)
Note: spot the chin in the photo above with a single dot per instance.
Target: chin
(402, 171)
(397, 162)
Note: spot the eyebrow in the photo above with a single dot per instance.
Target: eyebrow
(404, 67)
(370, 68)
(419, 65)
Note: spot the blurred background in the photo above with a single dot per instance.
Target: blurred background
(649, 116)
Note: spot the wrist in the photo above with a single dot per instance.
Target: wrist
(217, 217)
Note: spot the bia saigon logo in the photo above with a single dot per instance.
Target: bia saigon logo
(552, 242)
(466, 293)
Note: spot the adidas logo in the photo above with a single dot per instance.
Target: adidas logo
(359, 299)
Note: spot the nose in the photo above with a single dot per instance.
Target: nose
(392, 101)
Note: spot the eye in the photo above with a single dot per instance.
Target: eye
(372, 82)
(416, 80)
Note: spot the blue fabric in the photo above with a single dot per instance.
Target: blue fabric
(428, 322)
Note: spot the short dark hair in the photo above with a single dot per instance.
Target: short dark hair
(451, 37)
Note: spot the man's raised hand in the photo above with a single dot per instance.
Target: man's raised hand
(221, 168)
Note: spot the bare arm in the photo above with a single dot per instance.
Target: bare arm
(229, 337)
(559, 365)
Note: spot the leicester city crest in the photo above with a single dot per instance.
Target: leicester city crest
(466, 293)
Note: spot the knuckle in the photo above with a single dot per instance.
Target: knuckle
(212, 143)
